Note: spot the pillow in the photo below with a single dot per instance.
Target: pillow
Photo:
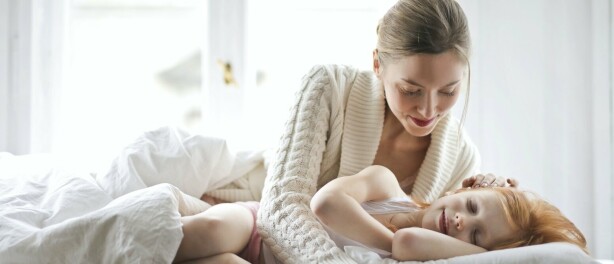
(553, 253)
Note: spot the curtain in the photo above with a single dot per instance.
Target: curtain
(31, 35)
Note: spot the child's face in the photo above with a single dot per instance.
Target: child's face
(476, 217)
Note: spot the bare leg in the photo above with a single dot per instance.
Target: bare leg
(225, 258)
(224, 228)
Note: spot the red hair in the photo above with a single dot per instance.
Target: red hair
(537, 221)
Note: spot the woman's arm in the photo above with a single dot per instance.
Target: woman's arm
(285, 221)
(337, 205)
(421, 244)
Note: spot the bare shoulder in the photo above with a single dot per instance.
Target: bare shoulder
(384, 177)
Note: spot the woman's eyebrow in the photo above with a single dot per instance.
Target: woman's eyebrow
(452, 83)
(412, 82)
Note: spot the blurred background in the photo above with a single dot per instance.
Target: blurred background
(83, 78)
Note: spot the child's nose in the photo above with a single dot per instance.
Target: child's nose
(459, 222)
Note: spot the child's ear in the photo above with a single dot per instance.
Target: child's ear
(376, 64)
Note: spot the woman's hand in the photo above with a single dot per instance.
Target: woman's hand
(488, 180)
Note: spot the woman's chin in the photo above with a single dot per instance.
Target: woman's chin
(417, 131)
(420, 131)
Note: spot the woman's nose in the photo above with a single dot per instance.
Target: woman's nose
(427, 106)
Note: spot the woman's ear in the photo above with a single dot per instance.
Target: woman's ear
(376, 64)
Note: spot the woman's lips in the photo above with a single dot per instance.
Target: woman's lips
(443, 226)
(422, 123)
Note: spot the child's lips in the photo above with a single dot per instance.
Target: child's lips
(443, 223)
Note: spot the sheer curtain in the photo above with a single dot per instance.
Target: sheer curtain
(31, 64)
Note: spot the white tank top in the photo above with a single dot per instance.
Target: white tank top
(392, 205)
(389, 206)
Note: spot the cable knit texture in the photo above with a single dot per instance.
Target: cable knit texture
(334, 130)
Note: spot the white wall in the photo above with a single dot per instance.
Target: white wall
(602, 84)
(536, 112)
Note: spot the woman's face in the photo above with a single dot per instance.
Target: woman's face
(476, 217)
(422, 88)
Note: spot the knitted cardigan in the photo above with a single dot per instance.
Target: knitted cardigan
(334, 130)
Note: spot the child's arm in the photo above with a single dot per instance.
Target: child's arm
(422, 244)
(337, 205)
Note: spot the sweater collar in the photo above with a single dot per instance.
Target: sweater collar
(363, 125)
(436, 169)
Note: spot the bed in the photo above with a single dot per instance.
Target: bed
(130, 213)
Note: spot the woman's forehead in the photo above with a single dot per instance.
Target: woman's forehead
(443, 68)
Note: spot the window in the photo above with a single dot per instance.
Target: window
(136, 65)
(132, 66)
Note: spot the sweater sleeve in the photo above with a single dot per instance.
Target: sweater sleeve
(285, 221)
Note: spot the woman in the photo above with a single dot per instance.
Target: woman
(467, 222)
(397, 116)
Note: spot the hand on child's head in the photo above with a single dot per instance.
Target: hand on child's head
(488, 180)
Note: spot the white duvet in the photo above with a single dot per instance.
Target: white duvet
(130, 214)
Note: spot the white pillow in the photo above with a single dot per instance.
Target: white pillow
(553, 253)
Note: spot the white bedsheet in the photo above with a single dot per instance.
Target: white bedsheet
(126, 215)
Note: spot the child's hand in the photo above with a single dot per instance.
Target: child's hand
(211, 200)
(488, 180)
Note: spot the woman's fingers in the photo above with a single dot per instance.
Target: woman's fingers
(498, 182)
(512, 182)
(478, 180)
(468, 182)
(488, 180)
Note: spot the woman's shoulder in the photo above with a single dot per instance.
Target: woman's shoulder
(333, 69)
(338, 73)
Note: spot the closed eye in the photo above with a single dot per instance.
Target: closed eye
(472, 207)
(449, 92)
(410, 92)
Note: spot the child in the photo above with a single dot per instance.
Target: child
(370, 209)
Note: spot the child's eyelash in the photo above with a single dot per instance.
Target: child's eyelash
(470, 206)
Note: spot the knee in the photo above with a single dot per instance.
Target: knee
(209, 229)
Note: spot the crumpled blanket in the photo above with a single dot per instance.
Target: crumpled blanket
(130, 214)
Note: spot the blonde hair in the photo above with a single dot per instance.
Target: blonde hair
(425, 27)
(536, 220)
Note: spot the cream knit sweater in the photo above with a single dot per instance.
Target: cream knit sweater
(334, 130)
